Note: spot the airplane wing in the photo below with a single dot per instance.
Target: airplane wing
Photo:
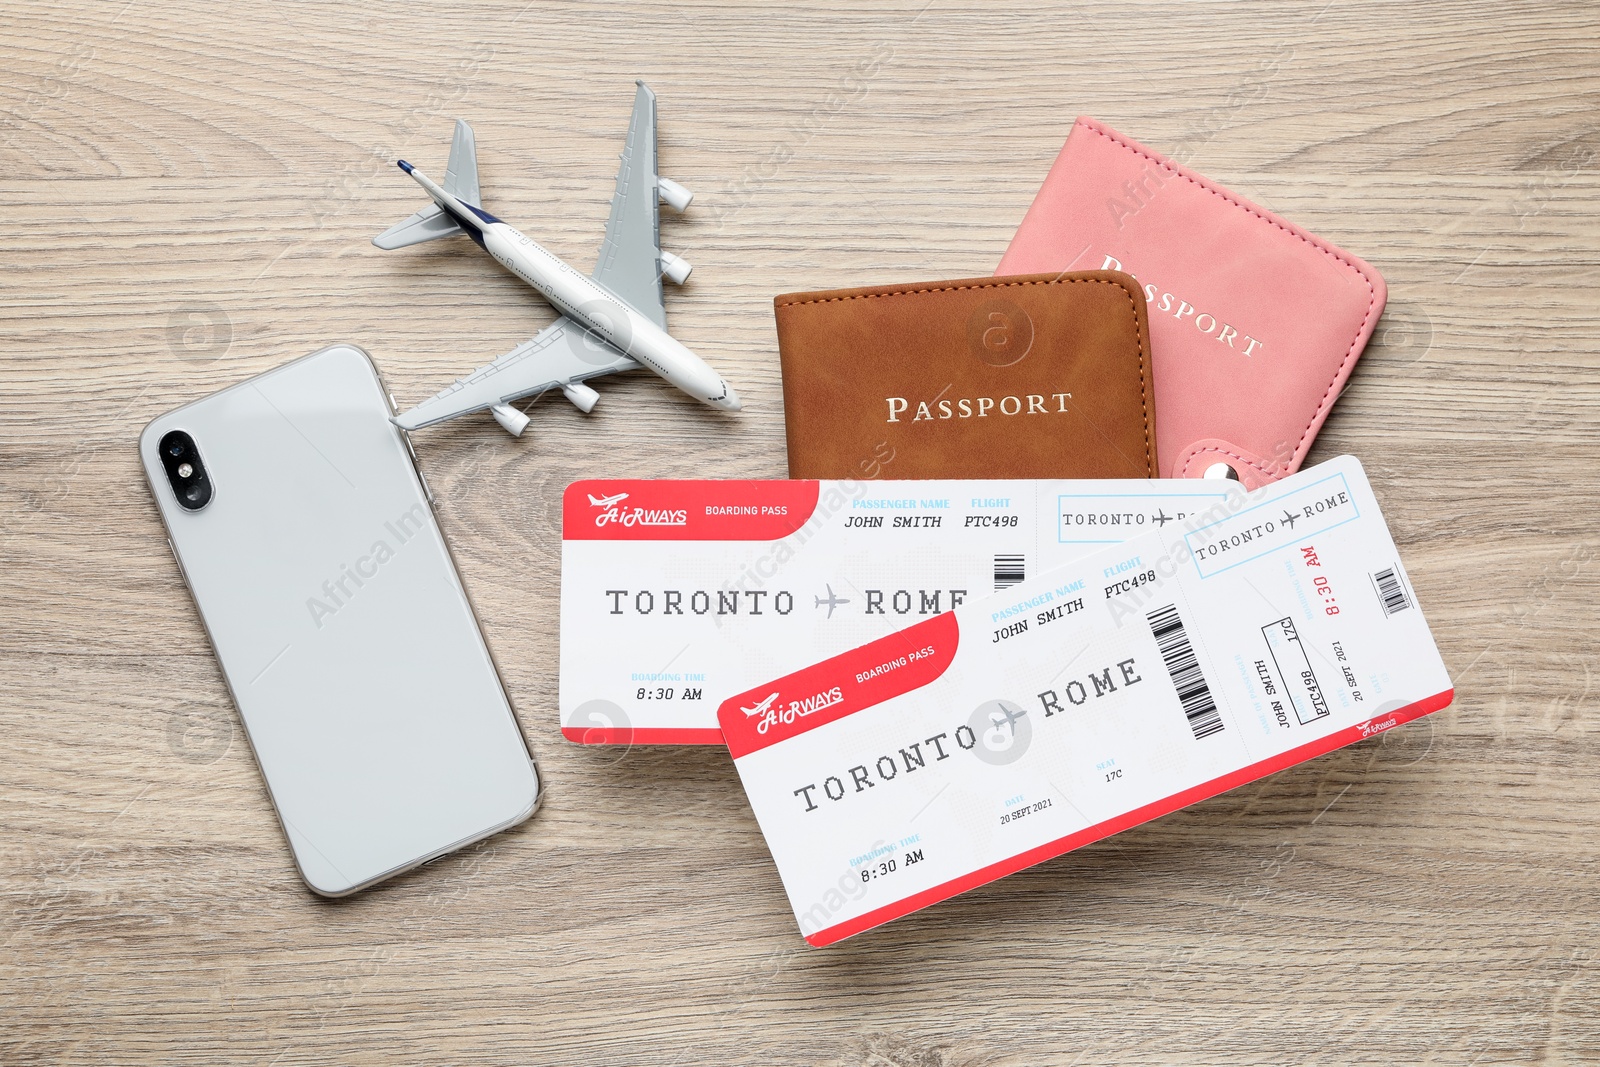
(560, 354)
(630, 258)
(460, 178)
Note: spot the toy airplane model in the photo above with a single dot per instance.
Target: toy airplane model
(613, 321)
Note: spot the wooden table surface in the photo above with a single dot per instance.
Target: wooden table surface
(190, 189)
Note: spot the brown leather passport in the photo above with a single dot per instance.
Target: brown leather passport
(1034, 376)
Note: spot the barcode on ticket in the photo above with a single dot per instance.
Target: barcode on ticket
(1184, 670)
(1391, 591)
(1008, 571)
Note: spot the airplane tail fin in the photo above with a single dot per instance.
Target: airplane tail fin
(461, 176)
(460, 180)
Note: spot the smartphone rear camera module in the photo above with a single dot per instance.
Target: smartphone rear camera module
(185, 472)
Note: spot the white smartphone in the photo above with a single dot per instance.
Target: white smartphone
(306, 535)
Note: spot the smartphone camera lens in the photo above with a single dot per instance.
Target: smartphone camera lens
(185, 472)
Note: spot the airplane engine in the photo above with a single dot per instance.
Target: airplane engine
(583, 398)
(672, 194)
(674, 268)
(510, 419)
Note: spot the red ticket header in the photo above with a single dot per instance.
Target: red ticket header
(843, 685)
(643, 510)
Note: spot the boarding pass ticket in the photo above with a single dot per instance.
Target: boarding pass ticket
(1263, 631)
(678, 594)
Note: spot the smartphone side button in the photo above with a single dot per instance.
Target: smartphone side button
(183, 575)
(416, 465)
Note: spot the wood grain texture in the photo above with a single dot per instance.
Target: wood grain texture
(190, 189)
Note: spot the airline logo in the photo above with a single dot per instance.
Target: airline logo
(760, 708)
(635, 516)
(796, 709)
(1377, 726)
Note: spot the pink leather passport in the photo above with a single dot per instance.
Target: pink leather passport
(1255, 324)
